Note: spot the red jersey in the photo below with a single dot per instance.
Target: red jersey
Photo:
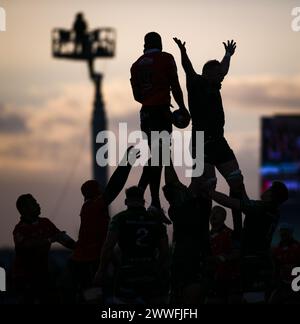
(288, 257)
(32, 248)
(151, 78)
(222, 244)
(93, 230)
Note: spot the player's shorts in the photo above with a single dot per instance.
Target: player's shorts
(156, 118)
(216, 150)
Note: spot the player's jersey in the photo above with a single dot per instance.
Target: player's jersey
(261, 219)
(287, 256)
(205, 105)
(139, 234)
(222, 244)
(93, 230)
(32, 247)
(151, 78)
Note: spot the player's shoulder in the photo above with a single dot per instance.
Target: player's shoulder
(167, 59)
(167, 55)
(119, 216)
(117, 220)
(19, 227)
(45, 222)
(136, 64)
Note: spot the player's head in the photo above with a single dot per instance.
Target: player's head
(217, 217)
(152, 40)
(28, 207)
(91, 189)
(278, 193)
(212, 70)
(286, 231)
(134, 197)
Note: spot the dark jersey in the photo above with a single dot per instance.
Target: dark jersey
(93, 230)
(205, 105)
(190, 217)
(32, 248)
(261, 219)
(151, 76)
(139, 234)
(222, 244)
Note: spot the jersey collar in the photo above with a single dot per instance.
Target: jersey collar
(152, 50)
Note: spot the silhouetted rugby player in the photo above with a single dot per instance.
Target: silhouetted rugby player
(95, 219)
(189, 213)
(153, 77)
(261, 219)
(143, 241)
(206, 108)
(33, 237)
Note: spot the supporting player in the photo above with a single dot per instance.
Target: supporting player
(143, 242)
(94, 217)
(261, 219)
(190, 216)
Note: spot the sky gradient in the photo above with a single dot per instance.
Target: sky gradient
(45, 104)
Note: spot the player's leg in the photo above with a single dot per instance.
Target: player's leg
(209, 173)
(228, 166)
(154, 119)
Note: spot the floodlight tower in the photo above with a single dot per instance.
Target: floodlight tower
(83, 45)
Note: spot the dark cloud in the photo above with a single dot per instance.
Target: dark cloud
(268, 93)
(12, 124)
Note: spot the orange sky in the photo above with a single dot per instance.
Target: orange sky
(45, 104)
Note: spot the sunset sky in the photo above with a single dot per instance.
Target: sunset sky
(45, 103)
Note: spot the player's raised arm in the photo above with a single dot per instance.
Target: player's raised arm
(185, 61)
(225, 201)
(230, 47)
(64, 239)
(120, 176)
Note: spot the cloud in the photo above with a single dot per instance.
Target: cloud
(263, 92)
(56, 130)
(12, 122)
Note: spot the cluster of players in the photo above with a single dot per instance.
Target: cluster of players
(127, 259)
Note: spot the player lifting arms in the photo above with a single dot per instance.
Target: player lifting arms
(206, 109)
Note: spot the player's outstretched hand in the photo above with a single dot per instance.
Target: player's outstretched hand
(130, 156)
(179, 43)
(230, 47)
